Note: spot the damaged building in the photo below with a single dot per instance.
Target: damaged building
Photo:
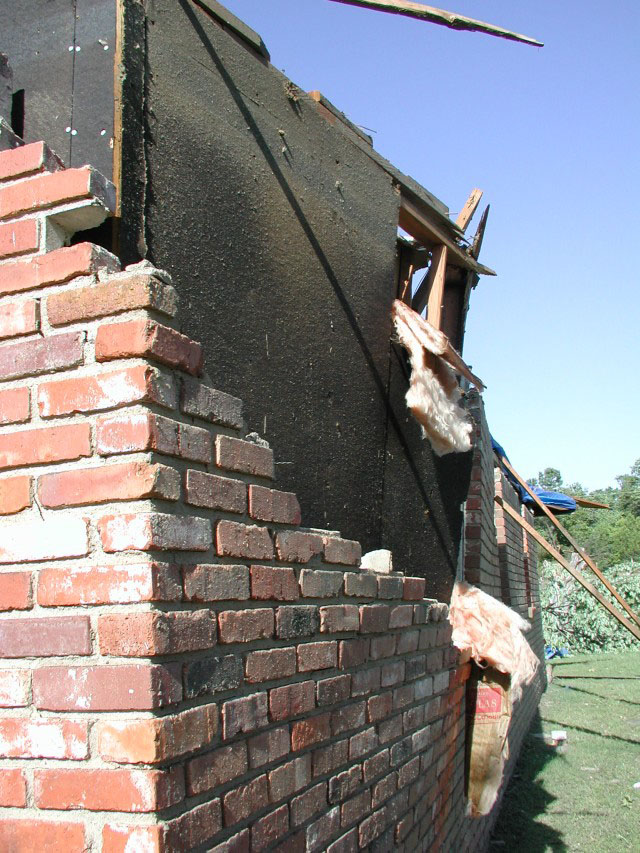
(209, 285)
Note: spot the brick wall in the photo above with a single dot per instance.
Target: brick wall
(184, 666)
(500, 558)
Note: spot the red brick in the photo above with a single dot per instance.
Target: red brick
(238, 843)
(403, 696)
(18, 238)
(14, 405)
(353, 653)
(294, 546)
(144, 338)
(216, 583)
(362, 743)
(384, 789)
(13, 789)
(245, 800)
(126, 432)
(401, 616)
(270, 665)
(194, 827)
(347, 843)
(22, 737)
(215, 492)
(374, 766)
(413, 589)
(329, 758)
(14, 688)
(313, 656)
(244, 457)
(392, 673)
(124, 292)
(289, 778)
(355, 808)
(339, 617)
(19, 318)
(408, 642)
(365, 681)
(389, 587)
(216, 768)
(348, 718)
(107, 390)
(379, 707)
(145, 634)
(39, 446)
(346, 552)
(242, 540)
(50, 189)
(242, 626)
(360, 584)
(319, 832)
(305, 733)
(15, 495)
(383, 646)
(129, 481)
(274, 584)
(154, 531)
(28, 835)
(48, 637)
(108, 584)
(106, 688)
(271, 505)
(201, 401)
(374, 618)
(318, 584)
(269, 746)
(55, 267)
(292, 700)
(118, 838)
(269, 829)
(333, 690)
(108, 790)
(41, 355)
(244, 715)
(150, 741)
(308, 804)
(26, 159)
(371, 827)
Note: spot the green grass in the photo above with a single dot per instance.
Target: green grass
(580, 797)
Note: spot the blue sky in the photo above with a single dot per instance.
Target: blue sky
(552, 136)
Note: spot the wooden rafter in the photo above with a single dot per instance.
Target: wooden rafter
(431, 289)
(470, 206)
(440, 16)
(569, 538)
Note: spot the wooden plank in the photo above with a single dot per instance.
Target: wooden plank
(415, 222)
(436, 291)
(470, 206)
(589, 504)
(565, 533)
(633, 629)
(440, 16)
(434, 278)
(479, 235)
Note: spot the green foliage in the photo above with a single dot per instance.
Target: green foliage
(609, 536)
(573, 619)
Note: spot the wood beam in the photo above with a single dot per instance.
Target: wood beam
(479, 235)
(633, 629)
(470, 206)
(440, 16)
(415, 222)
(569, 538)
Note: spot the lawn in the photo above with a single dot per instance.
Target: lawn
(580, 797)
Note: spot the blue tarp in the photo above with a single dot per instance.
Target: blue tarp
(554, 500)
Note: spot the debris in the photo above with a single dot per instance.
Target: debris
(378, 561)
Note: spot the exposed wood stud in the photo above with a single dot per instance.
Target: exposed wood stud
(470, 206)
(479, 236)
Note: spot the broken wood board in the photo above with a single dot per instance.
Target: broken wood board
(440, 16)
(470, 206)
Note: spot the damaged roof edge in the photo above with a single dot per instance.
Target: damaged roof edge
(234, 24)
